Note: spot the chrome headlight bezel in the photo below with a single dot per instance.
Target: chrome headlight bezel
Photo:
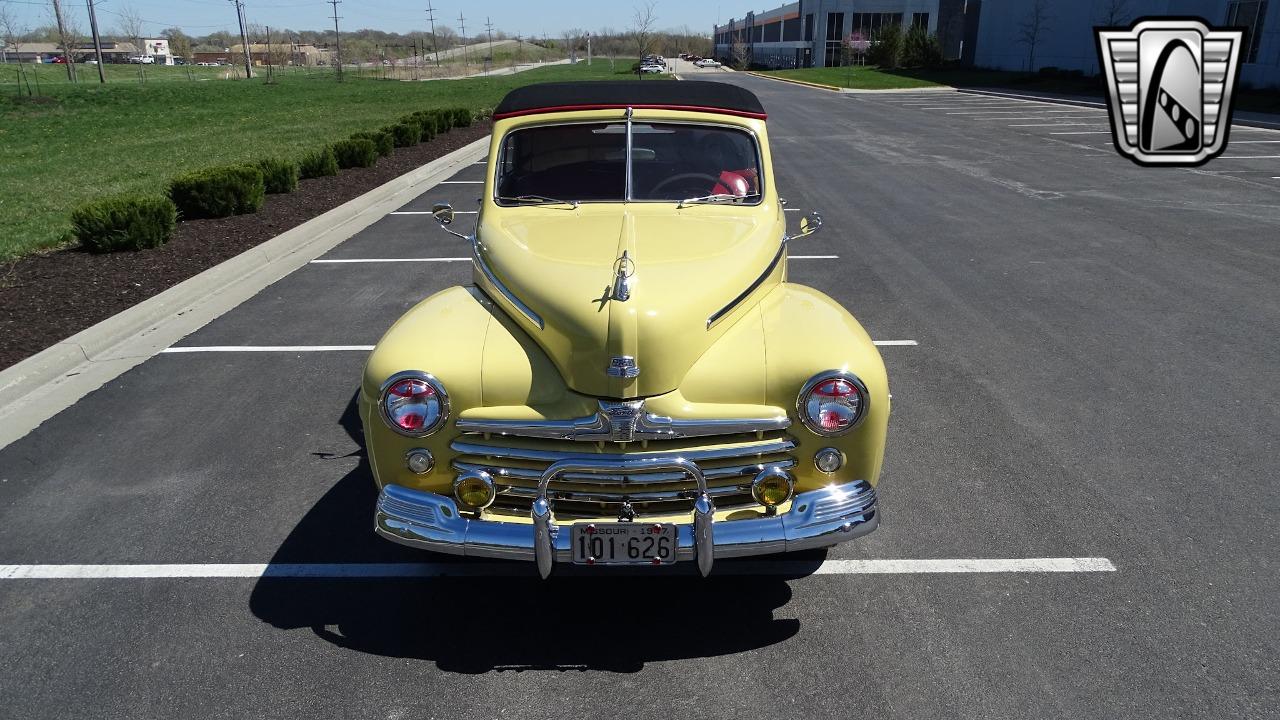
(802, 400)
(436, 385)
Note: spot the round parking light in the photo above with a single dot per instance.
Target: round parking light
(828, 460)
(474, 489)
(419, 461)
(771, 487)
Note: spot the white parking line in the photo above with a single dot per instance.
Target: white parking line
(428, 212)
(1038, 117)
(509, 569)
(392, 260)
(1252, 142)
(461, 182)
(267, 348)
(1248, 157)
(1020, 111)
(363, 348)
(1082, 132)
(467, 259)
(1052, 124)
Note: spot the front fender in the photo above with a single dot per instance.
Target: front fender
(793, 334)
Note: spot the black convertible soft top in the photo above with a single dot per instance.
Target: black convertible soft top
(601, 95)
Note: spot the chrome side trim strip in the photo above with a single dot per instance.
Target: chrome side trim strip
(626, 462)
(480, 263)
(623, 422)
(719, 314)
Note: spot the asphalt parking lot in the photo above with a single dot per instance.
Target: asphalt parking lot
(1092, 377)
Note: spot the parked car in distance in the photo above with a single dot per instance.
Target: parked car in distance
(142, 60)
(207, 64)
(700, 407)
(707, 63)
(652, 68)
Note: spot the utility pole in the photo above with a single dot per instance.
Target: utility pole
(588, 49)
(489, 60)
(244, 39)
(463, 24)
(431, 15)
(337, 38)
(97, 43)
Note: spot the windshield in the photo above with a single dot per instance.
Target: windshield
(586, 162)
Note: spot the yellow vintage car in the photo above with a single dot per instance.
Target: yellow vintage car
(630, 380)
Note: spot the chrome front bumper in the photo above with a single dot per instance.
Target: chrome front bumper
(818, 518)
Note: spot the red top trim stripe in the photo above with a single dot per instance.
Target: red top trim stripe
(573, 108)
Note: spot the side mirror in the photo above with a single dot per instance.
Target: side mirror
(443, 213)
(809, 225)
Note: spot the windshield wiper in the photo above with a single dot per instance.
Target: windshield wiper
(716, 198)
(539, 200)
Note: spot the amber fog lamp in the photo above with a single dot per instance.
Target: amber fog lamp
(414, 403)
(832, 403)
(771, 487)
(474, 489)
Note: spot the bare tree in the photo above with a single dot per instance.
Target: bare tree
(133, 27)
(642, 25)
(1033, 26)
(68, 38)
(740, 54)
(1114, 13)
(10, 32)
(573, 38)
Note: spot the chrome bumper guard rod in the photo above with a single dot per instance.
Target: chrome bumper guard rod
(545, 529)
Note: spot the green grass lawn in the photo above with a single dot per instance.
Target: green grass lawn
(859, 77)
(81, 142)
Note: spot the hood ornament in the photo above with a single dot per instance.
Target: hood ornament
(623, 269)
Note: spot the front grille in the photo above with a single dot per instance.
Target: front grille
(728, 462)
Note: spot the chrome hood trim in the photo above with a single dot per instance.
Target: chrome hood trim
(477, 257)
(624, 421)
(773, 264)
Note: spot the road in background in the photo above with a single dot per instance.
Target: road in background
(1095, 377)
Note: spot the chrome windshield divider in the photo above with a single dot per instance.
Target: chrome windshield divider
(626, 194)
(478, 259)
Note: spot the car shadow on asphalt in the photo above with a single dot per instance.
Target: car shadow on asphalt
(578, 620)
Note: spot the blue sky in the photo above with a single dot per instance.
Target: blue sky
(199, 17)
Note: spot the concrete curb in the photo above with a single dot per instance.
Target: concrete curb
(817, 86)
(48, 382)
(851, 91)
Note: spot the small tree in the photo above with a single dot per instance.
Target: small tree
(130, 25)
(856, 47)
(740, 55)
(1033, 27)
(68, 38)
(886, 51)
(642, 27)
(179, 43)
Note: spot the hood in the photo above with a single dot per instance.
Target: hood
(685, 266)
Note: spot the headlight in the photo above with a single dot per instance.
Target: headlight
(414, 403)
(832, 403)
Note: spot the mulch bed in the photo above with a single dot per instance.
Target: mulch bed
(47, 298)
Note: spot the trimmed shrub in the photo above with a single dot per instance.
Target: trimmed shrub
(124, 222)
(430, 126)
(383, 139)
(440, 119)
(886, 47)
(407, 133)
(355, 153)
(318, 163)
(218, 191)
(461, 117)
(278, 175)
(920, 49)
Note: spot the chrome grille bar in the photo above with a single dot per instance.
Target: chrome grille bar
(625, 461)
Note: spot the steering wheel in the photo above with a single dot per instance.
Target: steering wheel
(683, 177)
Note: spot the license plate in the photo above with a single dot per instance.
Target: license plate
(628, 543)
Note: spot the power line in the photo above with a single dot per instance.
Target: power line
(431, 15)
(337, 38)
(463, 23)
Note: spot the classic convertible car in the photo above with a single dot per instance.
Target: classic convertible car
(630, 379)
